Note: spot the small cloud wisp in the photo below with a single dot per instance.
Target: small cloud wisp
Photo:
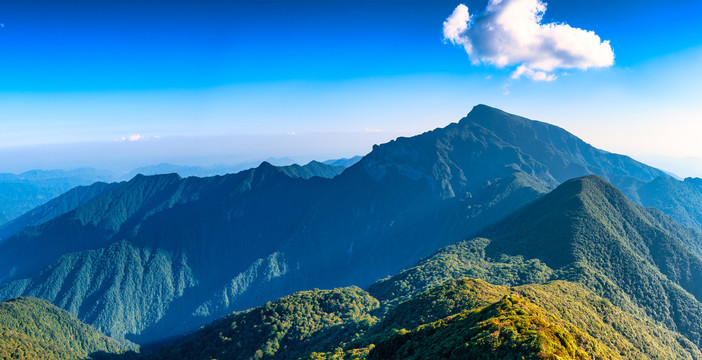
(135, 138)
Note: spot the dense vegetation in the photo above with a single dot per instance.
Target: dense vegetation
(464, 259)
(287, 328)
(469, 318)
(444, 300)
(34, 329)
(511, 328)
(120, 271)
(631, 334)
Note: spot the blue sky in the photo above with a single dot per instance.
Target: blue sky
(118, 84)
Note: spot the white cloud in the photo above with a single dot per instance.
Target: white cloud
(509, 33)
(136, 137)
(457, 24)
(371, 130)
(532, 74)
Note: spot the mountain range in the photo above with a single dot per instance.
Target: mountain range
(81, 194)
(336, 166)
(20, 193)
(529, 208)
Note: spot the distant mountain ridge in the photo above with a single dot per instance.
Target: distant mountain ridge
(55, 207)
(312, 169)
(345, 162)
(328, 168)
(209, 246)
(682, 200)
(20, 193)
(82, 194)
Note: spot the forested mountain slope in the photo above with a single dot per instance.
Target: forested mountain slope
(587, 232)
(591, 233)
(35, 329)
(464, 318)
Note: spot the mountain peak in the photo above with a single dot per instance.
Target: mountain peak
(594, 193)
(585, 184)
(548, 228)
(266, 165)
(505, 123)
(489, 113)
(482, 109)
(566, 155)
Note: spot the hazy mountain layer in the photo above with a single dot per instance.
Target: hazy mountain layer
(345, 162)
(21, 193)
(681, 200)
(54, 208)
(328, 169)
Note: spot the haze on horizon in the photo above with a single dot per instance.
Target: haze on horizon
(116, 85)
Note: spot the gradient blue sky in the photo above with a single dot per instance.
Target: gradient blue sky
(202, 82)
